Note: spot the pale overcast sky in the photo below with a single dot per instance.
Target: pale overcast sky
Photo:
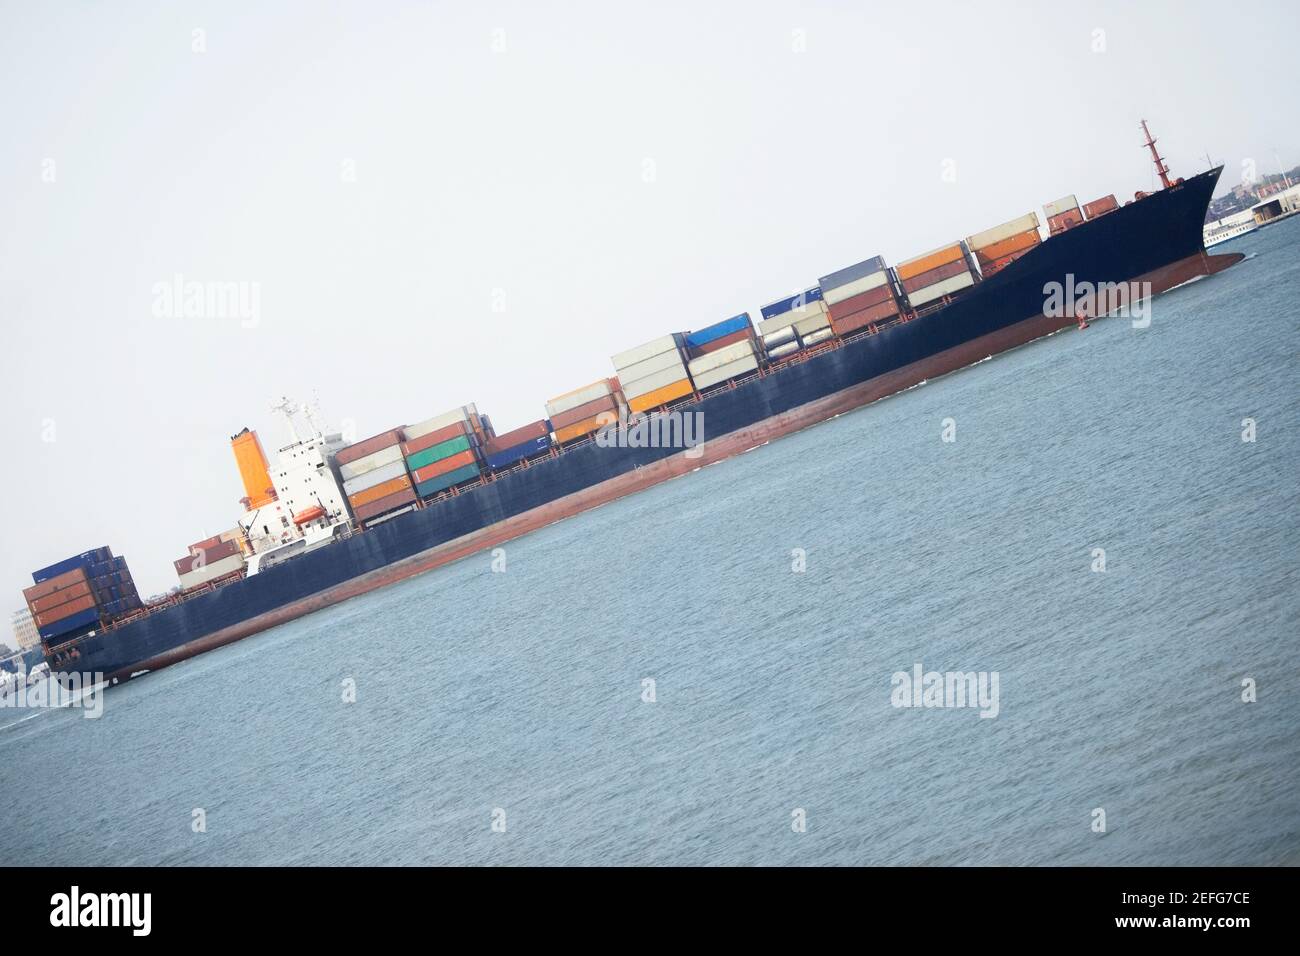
(388, 172)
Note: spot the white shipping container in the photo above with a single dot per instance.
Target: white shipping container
(735, 352)
(1005, 231)
(783, 350)
(856, 287)
(369, 463)
(651, 382)
(655, 363)
(767, 326)
(730, 370)
(388, 516)
(665, 343)
(581, 396)
(821, 335)
(378, 476)
(806, 327)
(1064, 204)
(209, 572)
(946, 287)
(462, 414)
(778, 337)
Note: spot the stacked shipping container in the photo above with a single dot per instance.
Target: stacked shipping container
(374, 476)
(1099, 207)
(655, 373)
(719, 335)
(722, 352)
(216, 557)
(860, 295)
(1062, 215)
(935, 276)
(995, 248)
(578, 413)
(789, 324)
(444, 451)
(80, 594)
(530, 441)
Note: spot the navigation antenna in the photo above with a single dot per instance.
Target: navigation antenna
(1161, 169)
(311, 411)
(288, 409)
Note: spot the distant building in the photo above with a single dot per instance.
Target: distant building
(1279, 205)
(25, 629)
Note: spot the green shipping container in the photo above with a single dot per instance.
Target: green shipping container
(434, 485)
(438, 452)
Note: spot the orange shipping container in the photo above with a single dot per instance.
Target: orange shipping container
(931, 260)
(563, 435)
(1017, 243)
(989, 268)
(845, 324)
(1099, 207)
(661, 396)
(44, 604)
(66, 609)
(1066, 220)
(65, 580)
(444, 465)
(381, 490)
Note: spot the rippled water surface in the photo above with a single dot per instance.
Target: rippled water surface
(523, 690)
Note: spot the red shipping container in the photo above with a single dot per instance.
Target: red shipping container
(530, 432)
(1099, 207)
(591, 409)
(946, 271)
(50, 601)
(988, 268)
(866, 300)
(721, 343)
(384, 505)
(444, 465)
(436, 437)
(206, 543)
(369, 446)
(863, 317)
(1066, 220)
(66, 609)
(223, 549)
(65, 580)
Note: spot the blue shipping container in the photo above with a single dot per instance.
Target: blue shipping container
(85, 618)
(783, 306)
(504, 459)
(443, 482)
(719, 329)
(85, 560)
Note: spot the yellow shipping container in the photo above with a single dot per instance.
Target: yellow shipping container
(381, 490)
(584, 427)
(1016, 243)
(661, 396)
(931, 260)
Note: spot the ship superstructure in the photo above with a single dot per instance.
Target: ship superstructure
(419, 496)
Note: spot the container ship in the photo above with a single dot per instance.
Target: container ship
(334, 519)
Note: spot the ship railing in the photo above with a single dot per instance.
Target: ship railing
(174, 599)
(556, 450)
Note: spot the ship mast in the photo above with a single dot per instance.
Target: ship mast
(1161, 169)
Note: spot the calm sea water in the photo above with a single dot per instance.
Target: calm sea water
(523, 690)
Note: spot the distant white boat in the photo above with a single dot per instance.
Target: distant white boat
(1228, 228)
